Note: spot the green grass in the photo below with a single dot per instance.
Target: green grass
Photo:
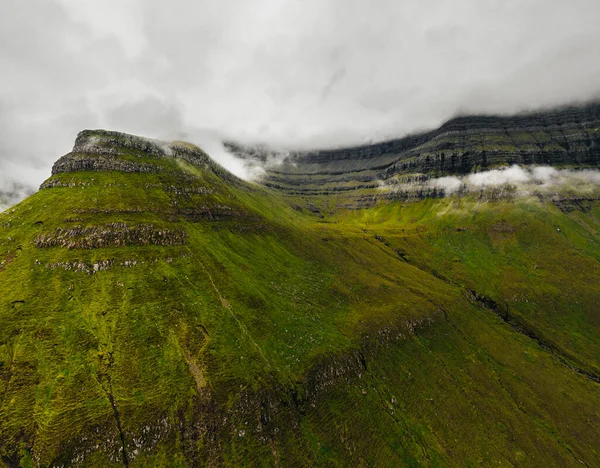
(274, 337)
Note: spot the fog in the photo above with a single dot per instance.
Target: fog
(288, 73)
(527, 181)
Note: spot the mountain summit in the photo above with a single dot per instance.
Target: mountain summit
(155, 310)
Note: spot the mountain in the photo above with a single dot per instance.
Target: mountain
(568, 136)
(155, 310)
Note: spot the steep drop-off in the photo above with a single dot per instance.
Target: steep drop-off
(157, 311)
(567, 137)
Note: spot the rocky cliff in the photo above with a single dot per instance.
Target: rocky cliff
(562, 137)
(102, 150)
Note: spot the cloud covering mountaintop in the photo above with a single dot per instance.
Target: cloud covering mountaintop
(296, 74)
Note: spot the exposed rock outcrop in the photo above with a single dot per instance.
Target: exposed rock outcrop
(102, 150)
(110, 235)
(567, 137)
(74, 162)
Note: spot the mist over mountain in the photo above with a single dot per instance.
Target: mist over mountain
(310, 74)
(13, 193)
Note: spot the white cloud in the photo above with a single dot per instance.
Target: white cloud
(289, 73)
(449, 184)
(526, 180)
(544, 174)
(513, 174)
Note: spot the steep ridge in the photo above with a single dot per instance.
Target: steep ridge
(568, 137)
(156, 310)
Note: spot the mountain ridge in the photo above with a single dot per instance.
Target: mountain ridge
(566, 136)
(157, 310)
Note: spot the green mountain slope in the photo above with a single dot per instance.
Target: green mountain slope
(157, 311)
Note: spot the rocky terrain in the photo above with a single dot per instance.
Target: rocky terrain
(568, 137)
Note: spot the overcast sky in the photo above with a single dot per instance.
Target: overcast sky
(295, 73)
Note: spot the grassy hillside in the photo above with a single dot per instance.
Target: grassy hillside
(157, 311)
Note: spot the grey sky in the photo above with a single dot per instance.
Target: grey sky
(303, 73)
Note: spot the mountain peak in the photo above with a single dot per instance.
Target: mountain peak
(103, 150)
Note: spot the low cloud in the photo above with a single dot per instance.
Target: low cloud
(291, 74)
(12, 191)
(495, 177)
(526, 180)
(447, 184)
(212, 144)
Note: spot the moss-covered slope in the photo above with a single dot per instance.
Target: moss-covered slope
(157, 311)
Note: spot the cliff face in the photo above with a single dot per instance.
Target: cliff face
(563, 137)
(101, 150)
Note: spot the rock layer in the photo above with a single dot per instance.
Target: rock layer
(562, 137)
